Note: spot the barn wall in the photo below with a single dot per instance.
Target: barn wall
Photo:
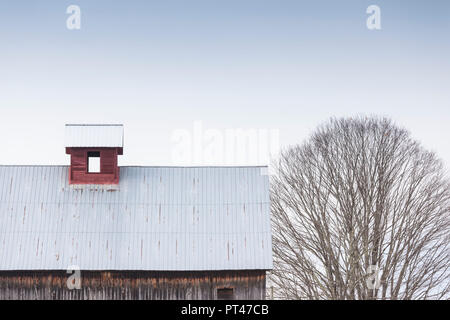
(135, 285)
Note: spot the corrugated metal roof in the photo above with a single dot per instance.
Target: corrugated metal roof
(94, 135)
(158, 218)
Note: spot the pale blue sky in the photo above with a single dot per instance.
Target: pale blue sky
(158, 66)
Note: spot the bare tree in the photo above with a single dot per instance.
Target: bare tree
(360, 211)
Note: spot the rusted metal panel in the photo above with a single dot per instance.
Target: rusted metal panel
(132, 285)
(156, 218)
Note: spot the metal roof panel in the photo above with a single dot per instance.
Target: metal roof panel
(94, 135)
(157, 218)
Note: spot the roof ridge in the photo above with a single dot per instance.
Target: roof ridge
(132, 166)
(94, 124)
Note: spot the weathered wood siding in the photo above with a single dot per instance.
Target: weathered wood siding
(134, 285)
(109, 170)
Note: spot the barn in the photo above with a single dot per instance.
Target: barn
(97, 230)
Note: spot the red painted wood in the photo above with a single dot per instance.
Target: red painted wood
(109, 170)
(108, 161)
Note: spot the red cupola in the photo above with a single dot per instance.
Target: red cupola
(93, 152)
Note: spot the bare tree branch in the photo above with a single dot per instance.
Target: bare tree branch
(358, 197)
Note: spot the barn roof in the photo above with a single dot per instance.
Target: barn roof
(157, 218)
(94, 135)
